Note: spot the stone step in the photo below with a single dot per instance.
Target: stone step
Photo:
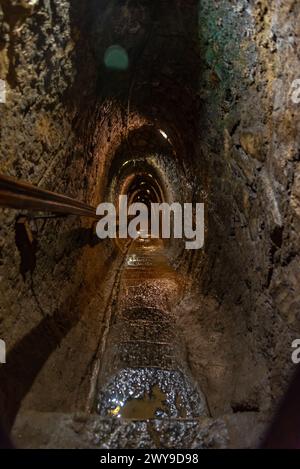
(60, 430)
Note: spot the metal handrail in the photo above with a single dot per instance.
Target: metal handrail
(24, 196)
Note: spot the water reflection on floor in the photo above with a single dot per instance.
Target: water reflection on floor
(145, 375)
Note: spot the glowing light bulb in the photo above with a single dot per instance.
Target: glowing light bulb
(163, 134)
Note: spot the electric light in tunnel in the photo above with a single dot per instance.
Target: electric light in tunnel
(163, 134)
(115, 412)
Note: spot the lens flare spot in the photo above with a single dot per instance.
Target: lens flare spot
(116, 58)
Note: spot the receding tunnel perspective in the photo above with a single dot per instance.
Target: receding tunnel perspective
(171, 322)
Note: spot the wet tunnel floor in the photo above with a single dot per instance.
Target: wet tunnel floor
(146, 376)
(146, 397)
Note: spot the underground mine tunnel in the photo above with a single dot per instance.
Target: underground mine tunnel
(141, 343)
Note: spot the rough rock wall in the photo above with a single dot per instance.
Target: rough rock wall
(248, 151)
(47, 265)
(228, 66)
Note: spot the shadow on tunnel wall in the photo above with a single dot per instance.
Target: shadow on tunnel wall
(27, 358)
(29, 355)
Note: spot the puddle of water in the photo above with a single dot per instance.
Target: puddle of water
(146, 407)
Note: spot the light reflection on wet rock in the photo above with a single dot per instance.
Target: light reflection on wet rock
(148, 393)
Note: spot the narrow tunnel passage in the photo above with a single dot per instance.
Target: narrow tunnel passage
(142, 343)
(143, 351)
